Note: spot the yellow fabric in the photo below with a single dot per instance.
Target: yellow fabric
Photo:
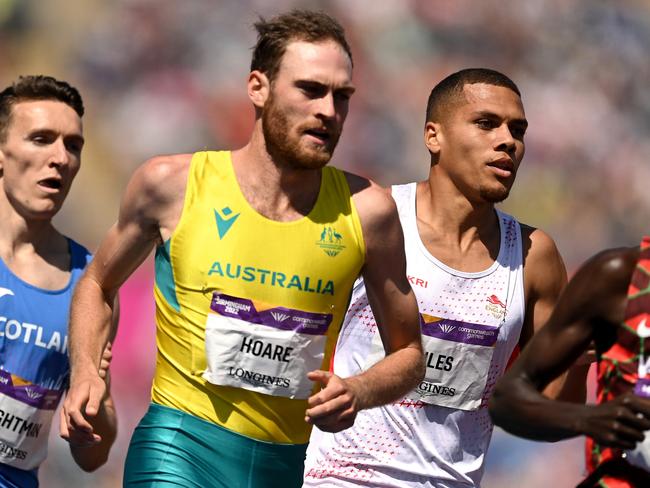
(326, 245)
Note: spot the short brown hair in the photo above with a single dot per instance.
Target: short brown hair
(275, 34)
(36, 87)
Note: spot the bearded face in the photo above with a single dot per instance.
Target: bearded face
(307, 145)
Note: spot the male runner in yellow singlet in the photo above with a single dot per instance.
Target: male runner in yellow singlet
(256, 253)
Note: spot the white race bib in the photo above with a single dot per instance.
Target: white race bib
(26, 412)
(267, 351)
(457, 356)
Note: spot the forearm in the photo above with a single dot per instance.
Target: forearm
(518, 408)
(90, 326)
(571, 386)
(391, 378)
(105, 425)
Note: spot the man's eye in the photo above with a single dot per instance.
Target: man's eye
(485, 124)
(74, 148)
(343, 96)
(518, 133)
(312, 91)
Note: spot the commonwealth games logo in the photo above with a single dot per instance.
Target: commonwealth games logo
(330, 241)
(447, 329)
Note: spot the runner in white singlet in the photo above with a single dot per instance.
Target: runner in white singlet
(483, 283)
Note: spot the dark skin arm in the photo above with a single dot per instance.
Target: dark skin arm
(590, 309)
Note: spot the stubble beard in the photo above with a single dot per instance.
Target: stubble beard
(494, 195)
(287, 150)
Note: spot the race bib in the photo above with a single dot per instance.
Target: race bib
(457, 356)
(26, 412)
(268, 351)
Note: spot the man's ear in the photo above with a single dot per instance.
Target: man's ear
(432, 137)
(259, 88)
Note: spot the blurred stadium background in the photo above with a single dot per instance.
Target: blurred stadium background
(163, 76)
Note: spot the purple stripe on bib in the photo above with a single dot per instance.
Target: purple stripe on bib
(464, 332)
(279, 317)
(32, 395)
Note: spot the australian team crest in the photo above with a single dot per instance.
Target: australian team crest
(330, 241)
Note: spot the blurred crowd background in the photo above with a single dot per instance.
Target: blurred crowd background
(161, 76)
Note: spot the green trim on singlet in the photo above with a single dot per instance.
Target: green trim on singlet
(165, 275)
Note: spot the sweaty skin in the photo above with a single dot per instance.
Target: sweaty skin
(590, 309)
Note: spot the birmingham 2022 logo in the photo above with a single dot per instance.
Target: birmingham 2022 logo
(330, 241)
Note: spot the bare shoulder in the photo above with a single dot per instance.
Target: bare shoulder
(544, 271)
(599, 287)
(372, 201)
(538, 246)
(154, 196)
(610, 269)
(162, 177)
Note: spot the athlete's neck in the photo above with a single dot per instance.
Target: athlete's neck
(273, 190)
(462, 234)
(20, 232)
(33, 249)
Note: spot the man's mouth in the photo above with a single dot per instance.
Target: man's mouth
(502, 167)
(322, 135)
(51, 183)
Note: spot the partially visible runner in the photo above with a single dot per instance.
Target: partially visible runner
(41, 140)
(484, 283)
(607, 302)
(256, 253)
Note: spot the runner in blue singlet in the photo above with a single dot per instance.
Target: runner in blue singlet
(40, 148)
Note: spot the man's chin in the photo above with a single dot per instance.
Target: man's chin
(494, 195)
(314, 159)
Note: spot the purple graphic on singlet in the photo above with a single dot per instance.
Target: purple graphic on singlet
(465, 332)
(32, 395)
(279, 317)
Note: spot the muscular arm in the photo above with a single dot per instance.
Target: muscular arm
(545, 278)
(395, 309)
(152, 200)
(593, 302)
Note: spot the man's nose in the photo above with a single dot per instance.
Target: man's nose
(505, 140)
(60, 155)
(326, 106)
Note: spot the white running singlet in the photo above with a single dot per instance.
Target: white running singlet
(437, 435)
